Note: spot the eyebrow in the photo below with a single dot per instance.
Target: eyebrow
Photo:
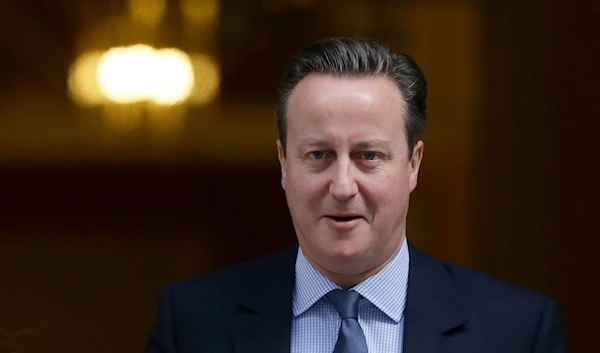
(368, 144)
(311, 142)
(374, 144)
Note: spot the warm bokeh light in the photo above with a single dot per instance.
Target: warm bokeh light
(149, 12)
(207, 76)
(124, 73)
(140, 72)
(83, 86)
(200, 12)
(172, 77)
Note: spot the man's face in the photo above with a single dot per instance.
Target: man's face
(347, 174)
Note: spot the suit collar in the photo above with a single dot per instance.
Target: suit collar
(433, 309)
(263, 313)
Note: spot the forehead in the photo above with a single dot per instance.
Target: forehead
(345, 106)
(326, 88)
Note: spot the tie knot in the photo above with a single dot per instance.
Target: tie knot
(345, 302)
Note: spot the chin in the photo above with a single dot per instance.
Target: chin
(347, 251)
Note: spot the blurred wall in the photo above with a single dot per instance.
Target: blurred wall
(97, 218)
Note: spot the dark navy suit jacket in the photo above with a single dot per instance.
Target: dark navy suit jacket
(449, 309)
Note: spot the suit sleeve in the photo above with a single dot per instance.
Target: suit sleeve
(161, 339)
(550, 337)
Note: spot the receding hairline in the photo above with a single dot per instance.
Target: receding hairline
(367, 143)
(347, 76)
(350, 76)
(358, 58)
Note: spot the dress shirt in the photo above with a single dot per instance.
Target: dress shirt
(315, 322)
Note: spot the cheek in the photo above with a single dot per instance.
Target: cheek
(305, 183)
(304, 192)
(387, 195)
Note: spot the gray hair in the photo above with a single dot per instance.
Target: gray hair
(352, 57)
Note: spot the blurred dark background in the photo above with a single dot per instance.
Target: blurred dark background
(102, 204)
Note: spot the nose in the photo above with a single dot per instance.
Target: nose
(343, 184)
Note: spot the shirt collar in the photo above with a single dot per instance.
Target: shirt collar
(311, 285)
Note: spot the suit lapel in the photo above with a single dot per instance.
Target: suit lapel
(432, 309)
(264, 312)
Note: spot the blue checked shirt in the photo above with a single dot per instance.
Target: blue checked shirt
(316, 323)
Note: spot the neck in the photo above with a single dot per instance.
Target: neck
(348, 280)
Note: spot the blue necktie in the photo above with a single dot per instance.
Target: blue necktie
(351, 338)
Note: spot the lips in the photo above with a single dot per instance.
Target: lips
(343, 218)
(343, 222)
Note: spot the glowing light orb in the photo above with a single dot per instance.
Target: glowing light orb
(207, 75)
(82, 83)
(140, 72)
(173, 77)
(124, 73)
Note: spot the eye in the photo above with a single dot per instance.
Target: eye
(371, 156)
(316, 155)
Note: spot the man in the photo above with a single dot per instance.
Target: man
(350, 119)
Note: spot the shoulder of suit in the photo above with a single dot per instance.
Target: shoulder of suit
(473, 286)
(466, 280)
(230, 279)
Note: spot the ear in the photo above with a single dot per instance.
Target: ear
(282, 162)
(415, 164)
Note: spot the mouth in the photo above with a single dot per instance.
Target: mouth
(343, 222)
(343, 218)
